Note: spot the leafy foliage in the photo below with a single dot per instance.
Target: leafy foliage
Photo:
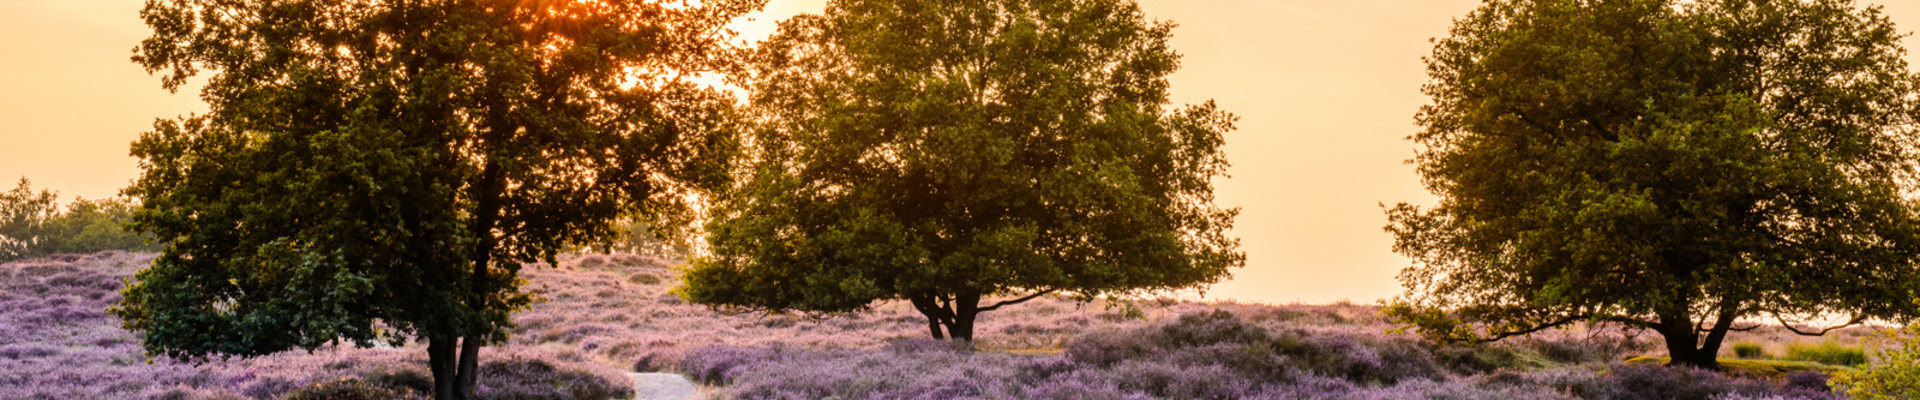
(1666, 164)
(34, 225)
(378, 170)
(1894, 372)
(942, 152)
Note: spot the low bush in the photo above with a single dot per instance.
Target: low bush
(528, 374)
(1749, 350)
(348, 389)
(1894, 373)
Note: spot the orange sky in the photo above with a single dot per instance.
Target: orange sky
(1326, 91)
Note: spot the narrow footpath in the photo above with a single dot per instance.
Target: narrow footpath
(662, 386)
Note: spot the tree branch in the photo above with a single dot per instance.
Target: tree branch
(1536, 328)
(1783, 322)
(1035, 295)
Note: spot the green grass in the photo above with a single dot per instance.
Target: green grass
(1829, 352)
(1750, 350)
(1761, 368)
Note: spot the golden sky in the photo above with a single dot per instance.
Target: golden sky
(1326, 91)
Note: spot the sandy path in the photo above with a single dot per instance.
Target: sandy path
(662, 386)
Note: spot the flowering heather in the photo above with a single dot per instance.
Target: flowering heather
(1208, 355)
(601, 315)
(57, 342)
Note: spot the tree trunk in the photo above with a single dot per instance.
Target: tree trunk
(441, 362)
(487, 194)
(929, 305)
(966, 307)
(934, 324)
(1683, 342)
(469, 367)
(956, 314)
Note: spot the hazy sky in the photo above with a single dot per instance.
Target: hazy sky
(1326, 91)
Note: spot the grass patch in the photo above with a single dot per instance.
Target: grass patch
(1750, 350)
(1772, 369)
(1828, 352)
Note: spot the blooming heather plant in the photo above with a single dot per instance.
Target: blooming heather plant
(594, 322)
(56, 342)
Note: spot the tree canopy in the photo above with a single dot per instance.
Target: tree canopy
(945, 152)
(1673, 165)
(380, 170)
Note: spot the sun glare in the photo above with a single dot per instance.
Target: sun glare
(648, 76)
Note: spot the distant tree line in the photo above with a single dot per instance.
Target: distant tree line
(34, 224)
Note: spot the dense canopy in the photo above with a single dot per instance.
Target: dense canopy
(380, 170)
(944, 152)
(1675, 165)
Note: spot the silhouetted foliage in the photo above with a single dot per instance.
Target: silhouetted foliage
(1672, 165)
(947, 152)
(380, 170)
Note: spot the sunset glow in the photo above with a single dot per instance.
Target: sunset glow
(1326, 92)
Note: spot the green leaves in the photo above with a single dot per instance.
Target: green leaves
(1660, 163)
(911, 148)
(393, 163)
(33, 224)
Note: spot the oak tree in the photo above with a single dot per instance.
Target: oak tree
(948, 152)
(380, 170)
(1679, 166)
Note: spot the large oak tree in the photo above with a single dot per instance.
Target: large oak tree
(947, 152)
(381, 169)
(1672, 165)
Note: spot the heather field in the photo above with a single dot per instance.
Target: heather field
(604, 315)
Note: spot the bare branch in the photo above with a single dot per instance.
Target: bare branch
(1857, 319)
(1035, 295)
(1568, 320)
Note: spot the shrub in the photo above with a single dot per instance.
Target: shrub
(547, 376)
(402, 378)
(642, 278)
(1749, 350)
(1483, 358)
(346, 389)
(1895, 372)
(714, 365)
(1653, 382)
(1828, 352)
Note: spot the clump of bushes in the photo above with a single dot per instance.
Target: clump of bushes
(1749, 350)
(1894, 373)
(347, 389)
(1217, 355)
(33, 224)
(1255, 353)
(540, 375)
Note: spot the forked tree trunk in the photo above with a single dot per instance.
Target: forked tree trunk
(955, 314)
(1686, 347)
